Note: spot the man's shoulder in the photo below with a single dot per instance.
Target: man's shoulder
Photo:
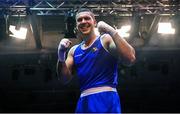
(105, 36)
(73, 48)
(105, 39)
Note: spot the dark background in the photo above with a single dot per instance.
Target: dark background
(28, 80)
(28, 83)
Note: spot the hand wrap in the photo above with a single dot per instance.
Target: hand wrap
(62, 49)
(105, 28)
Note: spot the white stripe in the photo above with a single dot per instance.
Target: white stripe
(97, 90)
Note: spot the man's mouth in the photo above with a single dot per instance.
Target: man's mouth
(84, 27)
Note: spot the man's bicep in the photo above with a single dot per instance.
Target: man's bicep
(113, 49)
(70, 60)
(109, 45)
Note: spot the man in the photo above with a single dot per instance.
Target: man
(95, 60)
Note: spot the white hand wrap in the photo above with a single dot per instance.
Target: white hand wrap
(105, 28)
(62, 49)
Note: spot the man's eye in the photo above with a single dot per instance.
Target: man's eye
(79, 20)
(87, 18)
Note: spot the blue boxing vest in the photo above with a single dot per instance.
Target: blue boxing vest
(95, 66)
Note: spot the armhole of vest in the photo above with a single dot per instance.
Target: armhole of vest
(102, 43)
(104, 46)
(75, 47)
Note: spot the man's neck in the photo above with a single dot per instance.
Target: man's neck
(89, 40)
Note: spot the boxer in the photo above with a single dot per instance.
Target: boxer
(95, 60)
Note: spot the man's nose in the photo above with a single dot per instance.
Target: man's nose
(83, 20)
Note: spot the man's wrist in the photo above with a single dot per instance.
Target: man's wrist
(113, 33)
(62, 56)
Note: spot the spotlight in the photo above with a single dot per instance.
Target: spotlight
(19, 33)
(124, 31)
(165, 28)
(96, 31)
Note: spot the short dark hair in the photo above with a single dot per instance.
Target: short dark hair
(85, 10)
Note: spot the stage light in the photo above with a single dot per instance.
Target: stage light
(96, 31)
(123, 31)
(18, 33)
(165, 28)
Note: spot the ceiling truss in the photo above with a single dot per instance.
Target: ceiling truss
(99, 7)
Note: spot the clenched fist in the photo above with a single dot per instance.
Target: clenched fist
(62, 49)
(105, 28)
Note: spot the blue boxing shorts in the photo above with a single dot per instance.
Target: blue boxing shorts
(101, 102)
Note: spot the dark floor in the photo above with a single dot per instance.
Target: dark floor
(28, 83)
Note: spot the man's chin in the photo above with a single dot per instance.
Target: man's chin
(86, 33)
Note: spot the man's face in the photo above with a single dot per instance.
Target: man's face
(85, 23)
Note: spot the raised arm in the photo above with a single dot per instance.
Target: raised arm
(115, 42)
(64, 65)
